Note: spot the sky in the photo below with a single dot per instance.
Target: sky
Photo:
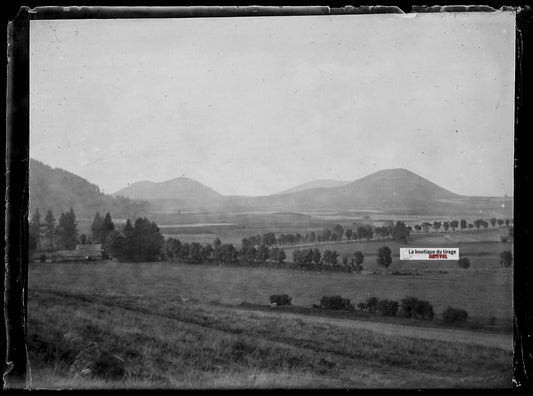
(253, 106)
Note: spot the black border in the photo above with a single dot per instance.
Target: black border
(17, 135)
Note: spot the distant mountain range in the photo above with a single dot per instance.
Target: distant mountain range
(390, 190)
(322, 183)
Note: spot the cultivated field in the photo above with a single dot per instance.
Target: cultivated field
(167, 322)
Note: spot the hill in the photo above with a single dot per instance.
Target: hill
(177, 193)
(58, 190)
(322, 183)
(391, 189)
(178, 188)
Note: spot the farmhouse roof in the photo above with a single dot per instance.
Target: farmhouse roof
(89, 249)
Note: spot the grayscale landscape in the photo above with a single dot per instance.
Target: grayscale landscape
(221, 202)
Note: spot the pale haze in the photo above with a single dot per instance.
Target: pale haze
(253, 106)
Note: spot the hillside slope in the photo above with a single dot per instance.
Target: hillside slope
(390, 189)
(58, 190)
(178, 188)
(322, 183)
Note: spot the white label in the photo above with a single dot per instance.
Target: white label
(429, 253)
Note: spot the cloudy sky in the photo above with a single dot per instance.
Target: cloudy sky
(253, 106)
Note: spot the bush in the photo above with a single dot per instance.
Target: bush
(369, 304)
(335, 302)
(464, 262)
(387, 307)
(506, 258)
(280, 299)
(454, 315)
(413, 307)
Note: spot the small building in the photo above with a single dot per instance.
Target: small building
(90, 252)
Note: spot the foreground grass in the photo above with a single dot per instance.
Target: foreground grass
(169, 344)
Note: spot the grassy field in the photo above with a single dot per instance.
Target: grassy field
(482, 293)
(166, 343)
(482, 255)
(185, 326)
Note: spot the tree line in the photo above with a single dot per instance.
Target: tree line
(398, 231)
(222, 254)
(140, 241)
(50, 234)
(462, 224)
(311, 259)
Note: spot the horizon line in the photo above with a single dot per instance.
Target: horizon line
(115, 193)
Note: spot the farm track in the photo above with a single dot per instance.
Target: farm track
(500, 341)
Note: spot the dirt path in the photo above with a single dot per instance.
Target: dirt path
(501, 341)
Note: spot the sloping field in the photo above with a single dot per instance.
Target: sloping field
(164, 343)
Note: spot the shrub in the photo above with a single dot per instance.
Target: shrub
(424, 310)
(280, 299)
(464, 262)
(335, 302)
(413, 307)
(387, 307)
(506, 258)
(407, 306)
(369, 304)
(454, 315)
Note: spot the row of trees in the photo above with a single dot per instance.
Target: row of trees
(313, 259)
(49, 234)
(52, 234)
(398, 231)
(140, 241)
(304, 259)
(463, 224)
(223, 254)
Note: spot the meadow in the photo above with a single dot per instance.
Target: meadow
(161, 319)
(207, 326)
(482, 293)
